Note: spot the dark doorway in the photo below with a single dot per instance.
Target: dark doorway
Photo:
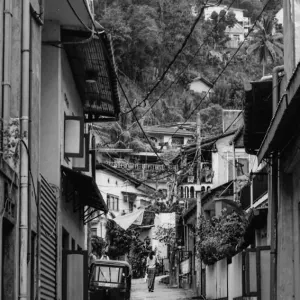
(8, 260)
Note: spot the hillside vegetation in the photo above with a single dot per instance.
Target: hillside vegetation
(146, 36)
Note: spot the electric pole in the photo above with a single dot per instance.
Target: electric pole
(199, 205)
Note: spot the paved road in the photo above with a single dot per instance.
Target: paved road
(161, 292)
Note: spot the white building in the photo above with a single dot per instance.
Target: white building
(239, 30)
(201, 85)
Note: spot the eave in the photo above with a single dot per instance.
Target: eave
(92, 54)
(284, 124)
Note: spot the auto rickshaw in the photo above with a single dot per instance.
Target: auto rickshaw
(110, 280)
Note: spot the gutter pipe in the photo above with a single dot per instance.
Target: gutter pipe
(275, 88)
(7, 59)
(24, 166)
(274, 193)
(1, 54)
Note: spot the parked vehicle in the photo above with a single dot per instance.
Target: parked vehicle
(110, 280)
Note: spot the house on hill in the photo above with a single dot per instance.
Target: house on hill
(201, 85)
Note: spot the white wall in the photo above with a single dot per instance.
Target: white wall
(199, 87)
(221, 157)
(114, 185)
(235, 288)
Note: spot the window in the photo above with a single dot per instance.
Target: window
(130, 206)
(192, 192)
(93, 231)
(107, 274)
(113, 202)
(73, 244)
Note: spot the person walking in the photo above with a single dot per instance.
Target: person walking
(151, 269)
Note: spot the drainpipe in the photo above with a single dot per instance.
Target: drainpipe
(275, 89)
(1, 103)
(7, 58)
(24, 166)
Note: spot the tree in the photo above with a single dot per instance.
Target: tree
(98, 244)
(265, 43)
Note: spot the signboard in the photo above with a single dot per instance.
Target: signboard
(185, 267)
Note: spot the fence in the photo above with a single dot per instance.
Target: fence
(246, 276)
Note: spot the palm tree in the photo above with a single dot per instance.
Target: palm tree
(266, 43)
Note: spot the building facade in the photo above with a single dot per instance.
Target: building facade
(48, 190)
(275, 140)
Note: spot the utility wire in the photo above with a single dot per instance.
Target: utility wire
(188, 64)
(174, 58)
(182, 71)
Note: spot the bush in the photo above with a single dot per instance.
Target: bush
(220, 237)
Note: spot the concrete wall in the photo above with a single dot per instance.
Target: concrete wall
(220, 160)
(50, 105)
(235, 277)
(216, 280)
(57, 85)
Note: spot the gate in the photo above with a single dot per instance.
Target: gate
(48, 242)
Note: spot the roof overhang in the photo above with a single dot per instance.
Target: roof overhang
(64, 11)
(285, 119)
(83, 189)
(92, 63)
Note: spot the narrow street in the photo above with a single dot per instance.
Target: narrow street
(161, 291)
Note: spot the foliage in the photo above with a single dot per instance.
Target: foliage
(119, 240)
(98, 245)
(166, 234)
(146, 36)
(11, 139)
(265, 43)
(220, 237)
(138, 255)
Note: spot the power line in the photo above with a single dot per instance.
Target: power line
(224, 68)
(174, 58)
(188, 64)
(182, 71)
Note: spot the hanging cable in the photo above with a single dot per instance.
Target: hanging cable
(183, 70)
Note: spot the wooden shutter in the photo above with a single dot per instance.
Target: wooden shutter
(48, 242)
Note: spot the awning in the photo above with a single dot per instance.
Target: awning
(92, 63)
(135, 218)
(82, 189)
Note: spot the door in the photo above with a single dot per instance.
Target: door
(75, 275)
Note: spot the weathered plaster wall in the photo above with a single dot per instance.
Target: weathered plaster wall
(220, 160)
(50, 105)
(285, 254)
(235, 277)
